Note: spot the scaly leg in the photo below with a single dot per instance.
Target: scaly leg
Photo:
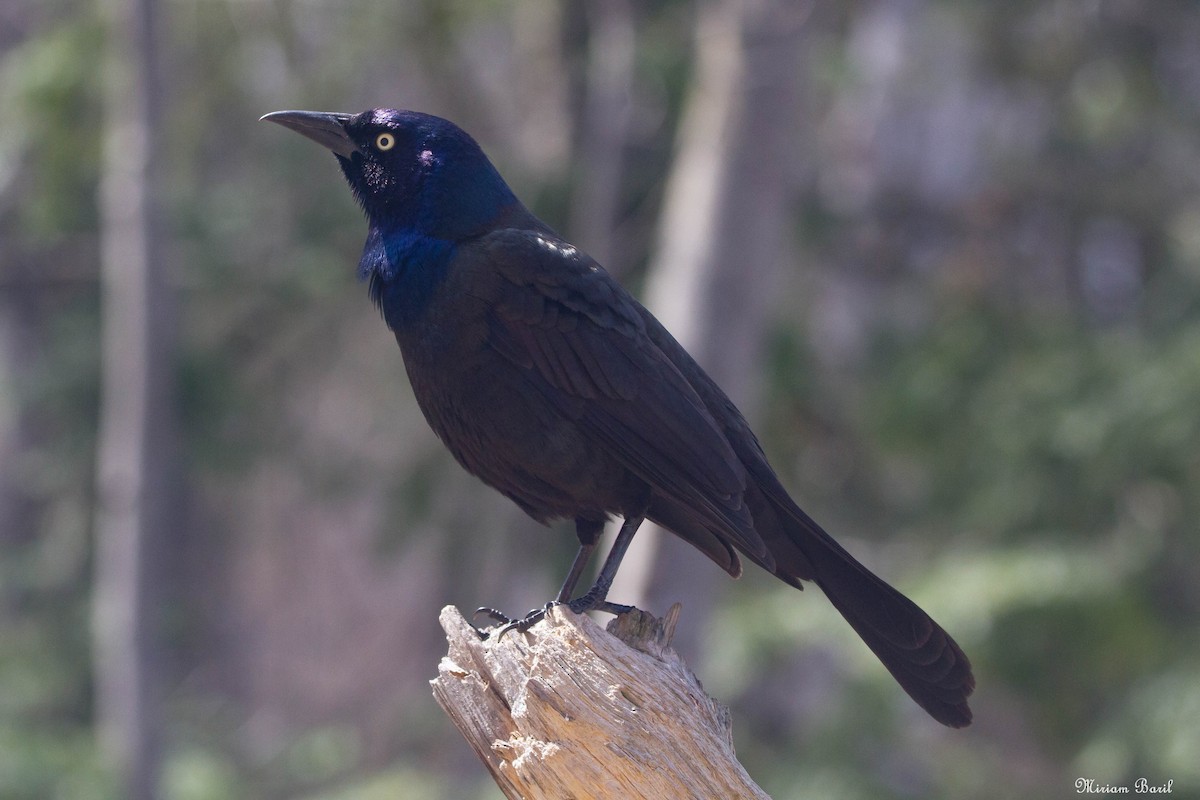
(596, 598)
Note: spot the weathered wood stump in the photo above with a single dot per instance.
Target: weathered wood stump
(567, 710)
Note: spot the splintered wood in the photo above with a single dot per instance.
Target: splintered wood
(567, 710)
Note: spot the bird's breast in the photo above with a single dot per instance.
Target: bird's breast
(500, 427)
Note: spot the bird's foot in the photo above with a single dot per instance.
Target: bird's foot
(508, 623)
(595, 599)
(579, 605)
(582, 605)
(493, 614)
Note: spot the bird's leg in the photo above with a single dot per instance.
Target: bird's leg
(596, 598)
(588, 531)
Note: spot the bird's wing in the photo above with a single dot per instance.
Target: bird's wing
(560, 316)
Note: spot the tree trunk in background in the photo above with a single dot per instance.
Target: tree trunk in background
(20, 349)
(136, 463)
(720, 248)
(604, 130)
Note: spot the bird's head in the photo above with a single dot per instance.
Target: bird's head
(414, 174)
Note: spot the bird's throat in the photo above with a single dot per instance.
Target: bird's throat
(404, 268)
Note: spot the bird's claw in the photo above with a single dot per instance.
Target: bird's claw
(492, 614)
(508, 623)
(580, 605)
(524, 623)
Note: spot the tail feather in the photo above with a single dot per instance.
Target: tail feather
(926, 662)
(920, 655)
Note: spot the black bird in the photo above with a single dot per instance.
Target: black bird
(548, 381)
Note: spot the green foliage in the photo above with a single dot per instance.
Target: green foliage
(1055, 427)
(1050, 469)
(50, 92)
(49, 152)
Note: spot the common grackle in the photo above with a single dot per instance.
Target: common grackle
(548, 381)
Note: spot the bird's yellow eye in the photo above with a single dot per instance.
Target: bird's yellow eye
(385, 141)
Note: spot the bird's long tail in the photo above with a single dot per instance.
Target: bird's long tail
(921, 656)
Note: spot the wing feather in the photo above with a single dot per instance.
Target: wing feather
(556, 313)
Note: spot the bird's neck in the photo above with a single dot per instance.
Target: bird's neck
(404, 268)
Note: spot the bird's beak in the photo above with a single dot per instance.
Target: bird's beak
(323, 128)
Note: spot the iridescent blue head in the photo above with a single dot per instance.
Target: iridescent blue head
(408, 169)
(424, 183)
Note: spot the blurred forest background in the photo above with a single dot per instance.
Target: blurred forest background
(946, 254)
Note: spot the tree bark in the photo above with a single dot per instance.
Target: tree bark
(567, 710)
(135, 452)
